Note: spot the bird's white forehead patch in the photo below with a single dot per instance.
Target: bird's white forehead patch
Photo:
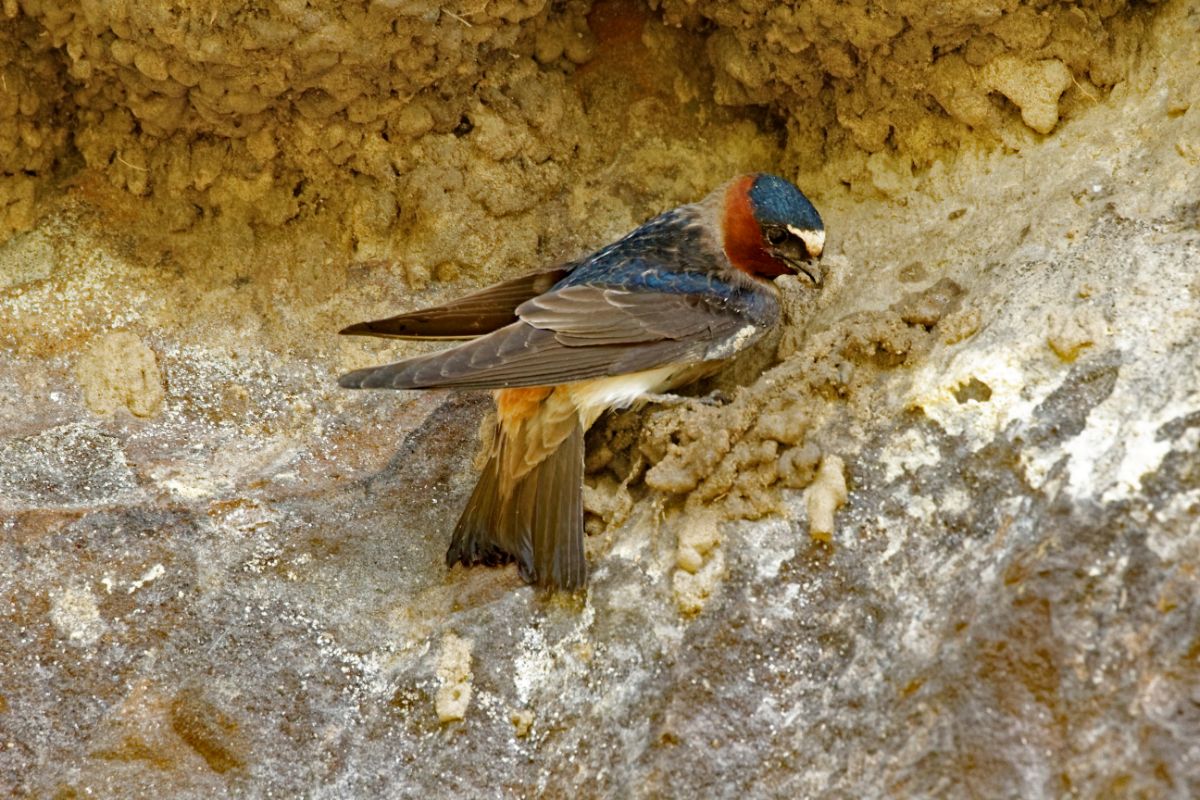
(813, 240)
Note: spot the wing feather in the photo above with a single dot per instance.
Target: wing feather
(467, 317)
(587, 315)
(583, 332)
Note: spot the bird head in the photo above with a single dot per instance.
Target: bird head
(770, 228)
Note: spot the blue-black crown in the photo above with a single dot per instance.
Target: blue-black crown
(776, 201)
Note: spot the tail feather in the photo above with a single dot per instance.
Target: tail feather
(558, 516)
(550, 508)
(539, 524)
(478, 535)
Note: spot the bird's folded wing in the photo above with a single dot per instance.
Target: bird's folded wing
(590, 315)
(583, 332)
(467, 317)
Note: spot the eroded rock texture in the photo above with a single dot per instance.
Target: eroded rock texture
(942, 541)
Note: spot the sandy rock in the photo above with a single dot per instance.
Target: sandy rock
(454, 674)
(243, 592)
(118, 370)
(1033, 87)
(824, 496)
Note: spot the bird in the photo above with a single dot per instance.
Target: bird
(666, 304)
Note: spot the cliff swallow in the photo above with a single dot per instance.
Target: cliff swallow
(659, 308)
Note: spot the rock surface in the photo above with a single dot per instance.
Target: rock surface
(943, 539)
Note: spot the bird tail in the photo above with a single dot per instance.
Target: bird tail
(538, 522)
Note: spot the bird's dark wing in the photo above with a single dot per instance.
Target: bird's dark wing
(467, 317)
(582, 332)
(583, 316)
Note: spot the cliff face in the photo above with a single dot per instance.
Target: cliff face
(943, 539)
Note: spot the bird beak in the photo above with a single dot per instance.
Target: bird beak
(814, 245)
(800, 266)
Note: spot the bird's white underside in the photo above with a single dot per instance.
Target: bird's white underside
(595, 396)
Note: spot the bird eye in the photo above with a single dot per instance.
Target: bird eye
(776, 235)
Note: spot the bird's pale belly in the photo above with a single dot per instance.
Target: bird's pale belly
(594, 397)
